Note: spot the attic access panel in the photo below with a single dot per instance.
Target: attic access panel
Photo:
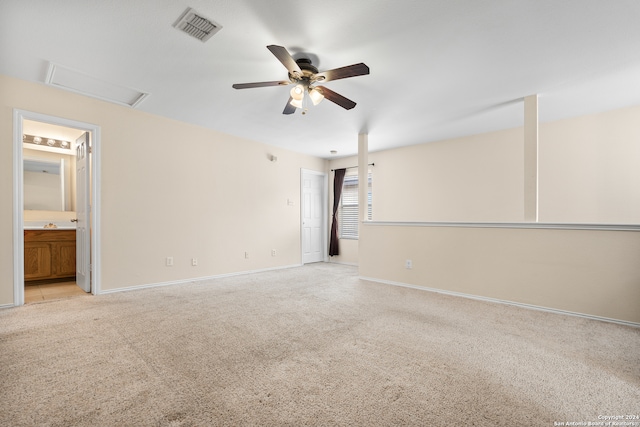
(78, 82)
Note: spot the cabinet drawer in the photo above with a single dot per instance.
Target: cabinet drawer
(49, 235)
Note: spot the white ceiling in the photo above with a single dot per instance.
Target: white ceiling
(439, 68)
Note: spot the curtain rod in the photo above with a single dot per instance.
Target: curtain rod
(351, 167)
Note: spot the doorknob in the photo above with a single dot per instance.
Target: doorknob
(74, 220)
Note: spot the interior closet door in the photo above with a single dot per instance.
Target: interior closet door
(313, 218)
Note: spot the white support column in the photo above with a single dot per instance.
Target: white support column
(363, 169)
(531, 158)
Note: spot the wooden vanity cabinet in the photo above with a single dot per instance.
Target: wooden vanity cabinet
(49, 254)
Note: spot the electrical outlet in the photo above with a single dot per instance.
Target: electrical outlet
(246, 255)
(408, 264)
(273, 252)
(194, 261)
(169, 261)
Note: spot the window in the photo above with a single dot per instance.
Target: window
(348, 215)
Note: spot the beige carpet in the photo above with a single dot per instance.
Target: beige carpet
(308, 346)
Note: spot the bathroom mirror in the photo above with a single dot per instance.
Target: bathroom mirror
(47, 182)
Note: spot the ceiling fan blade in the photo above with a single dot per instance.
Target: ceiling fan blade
(283, 56)
(260, 84)
(336, 98)
(289, 109)
(343, 72)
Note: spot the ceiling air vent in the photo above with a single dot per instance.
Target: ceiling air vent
(196, 25)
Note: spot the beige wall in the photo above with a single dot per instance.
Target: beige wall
(168, 189)
(583, 271)
(588, 173)
(476, 178)
(589, 169)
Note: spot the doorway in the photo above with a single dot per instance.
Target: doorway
(313, 211)
(25, 125)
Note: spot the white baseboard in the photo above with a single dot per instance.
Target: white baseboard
(194, 279)
(6, 306)
(352, 264)
(499, 301)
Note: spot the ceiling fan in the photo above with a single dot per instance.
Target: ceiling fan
(305, 77)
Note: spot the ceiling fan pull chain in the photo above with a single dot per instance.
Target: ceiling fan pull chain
(305, 106)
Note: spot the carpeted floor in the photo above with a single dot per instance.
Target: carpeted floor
(308, 346)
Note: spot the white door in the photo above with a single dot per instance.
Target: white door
(313, 223)
(83, 258)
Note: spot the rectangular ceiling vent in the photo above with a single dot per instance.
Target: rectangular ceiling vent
(196, 25)
(75, 81)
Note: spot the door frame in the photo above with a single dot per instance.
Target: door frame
(325, 200)
(18, 199)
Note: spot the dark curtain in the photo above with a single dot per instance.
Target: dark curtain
(338, 180)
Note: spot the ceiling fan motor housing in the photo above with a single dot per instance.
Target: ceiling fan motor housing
(305, 64)
(308, 73)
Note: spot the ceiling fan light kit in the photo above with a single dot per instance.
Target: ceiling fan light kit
(304, 75)
(296, 103)
(297, 93)
(315, 95)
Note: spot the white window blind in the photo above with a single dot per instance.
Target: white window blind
(348, 218)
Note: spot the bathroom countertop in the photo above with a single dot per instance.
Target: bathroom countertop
(42, 225)
(42, 228)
